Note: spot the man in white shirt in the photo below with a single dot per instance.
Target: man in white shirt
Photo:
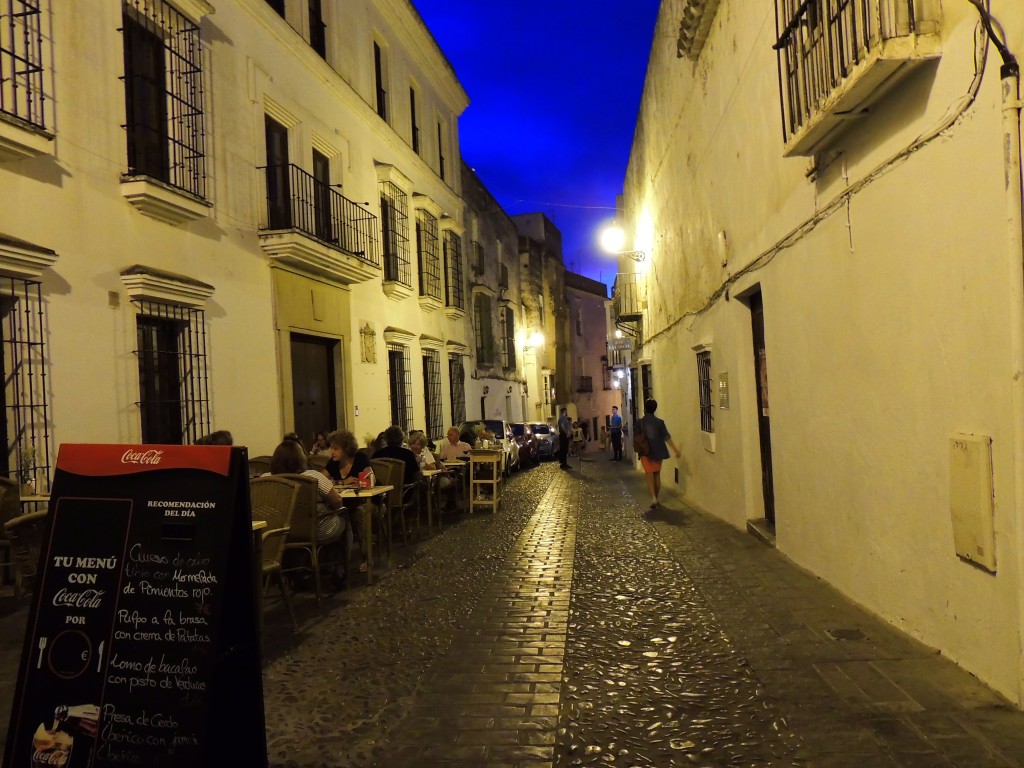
(454, 448)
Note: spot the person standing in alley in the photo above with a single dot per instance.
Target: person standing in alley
(615, 427)
(659, 441)
(564, 436)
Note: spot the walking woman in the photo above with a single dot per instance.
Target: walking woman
(659, 441)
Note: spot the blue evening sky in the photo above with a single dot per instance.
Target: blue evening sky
(554, 89)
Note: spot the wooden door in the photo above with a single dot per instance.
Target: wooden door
(313, 386)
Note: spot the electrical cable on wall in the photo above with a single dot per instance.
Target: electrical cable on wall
(987, 29)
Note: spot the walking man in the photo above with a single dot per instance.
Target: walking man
(564, 436)
(659, 440)
(616, 429)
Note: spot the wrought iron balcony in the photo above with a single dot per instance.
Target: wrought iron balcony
(324, 222)
(838, 57)
(628, 297)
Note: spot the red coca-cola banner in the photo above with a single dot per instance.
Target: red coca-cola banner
(102, 460)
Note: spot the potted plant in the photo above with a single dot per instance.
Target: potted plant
(27, 469)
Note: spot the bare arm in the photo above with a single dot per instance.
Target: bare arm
(672, 445)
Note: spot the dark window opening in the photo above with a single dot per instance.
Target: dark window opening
(400, 385)
(454, 288)
(432, 392)
(414, 121)
(429, 261)
(457, 388)
(317, 28)
(394, 221)
(378, 71)
(22, 84)
(707, 416)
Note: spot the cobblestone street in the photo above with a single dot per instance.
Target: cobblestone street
(576, 628)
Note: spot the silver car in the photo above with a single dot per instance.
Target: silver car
(547, 439)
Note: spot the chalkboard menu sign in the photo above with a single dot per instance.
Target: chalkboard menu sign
(142, 647)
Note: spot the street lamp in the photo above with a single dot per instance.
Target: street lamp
(613, 241)
(535, 339)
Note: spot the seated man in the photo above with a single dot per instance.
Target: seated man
(394, 436)
(455, 448)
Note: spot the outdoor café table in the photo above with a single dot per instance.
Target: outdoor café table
(348, 492)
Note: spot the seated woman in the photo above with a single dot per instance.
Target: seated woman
(346, 461)
(290, 458)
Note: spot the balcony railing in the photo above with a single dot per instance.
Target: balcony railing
(296, 200)
(584, 383)
(627, 297)
(834, 56)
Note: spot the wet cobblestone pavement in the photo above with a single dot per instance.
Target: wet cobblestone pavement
(575, 628)
(651, 679)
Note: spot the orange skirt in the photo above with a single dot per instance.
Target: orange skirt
(650, 465)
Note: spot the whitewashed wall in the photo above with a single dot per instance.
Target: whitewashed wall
(887, 321)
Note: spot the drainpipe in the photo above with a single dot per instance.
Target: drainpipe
(1011, 107)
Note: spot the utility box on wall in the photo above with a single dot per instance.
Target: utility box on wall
(971, 499)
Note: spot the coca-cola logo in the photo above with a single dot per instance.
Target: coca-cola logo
(49, 757)
(141, 457)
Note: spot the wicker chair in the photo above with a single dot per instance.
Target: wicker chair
(25, 534)
(303, 536)
(403, 498)
(10, 508)
(258, 465)
(273, 500)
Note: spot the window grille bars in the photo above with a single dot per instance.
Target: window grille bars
(454, 286)
(317, 210)
(502, 337)
(400, 385)
(457, 388)
(510, 338)
(429, 261)
(707, 416)
(25, 392)
(22, 74)
(432, 392)
(394, 222)
(484, 331)
(174, 393)
(163, 95)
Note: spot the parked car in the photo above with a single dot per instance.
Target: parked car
(547, 439)
(529, 445)
(501, 432)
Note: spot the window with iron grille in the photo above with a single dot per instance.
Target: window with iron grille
(432, 391)
(457, 388)
(394, 222)
(502, 338)
(174, 395)
(381, 84)
(163, 95)
(479, 257)
(508, 331)
(317, 28)
(25, 411)
(483, 330)
(400, 385)
(707, 416)
(454, 285)
(503, 277)
(429, 261)
(23, 53)
(548, 382)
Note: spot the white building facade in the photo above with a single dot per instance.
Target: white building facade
(594, 387)
(828, 306)
(241, 214)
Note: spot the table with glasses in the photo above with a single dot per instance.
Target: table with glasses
(366, 513)
(459, 470)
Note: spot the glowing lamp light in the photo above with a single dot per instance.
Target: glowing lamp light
(613, 238)
(613, 241)
(535, 340)
(618, 333)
